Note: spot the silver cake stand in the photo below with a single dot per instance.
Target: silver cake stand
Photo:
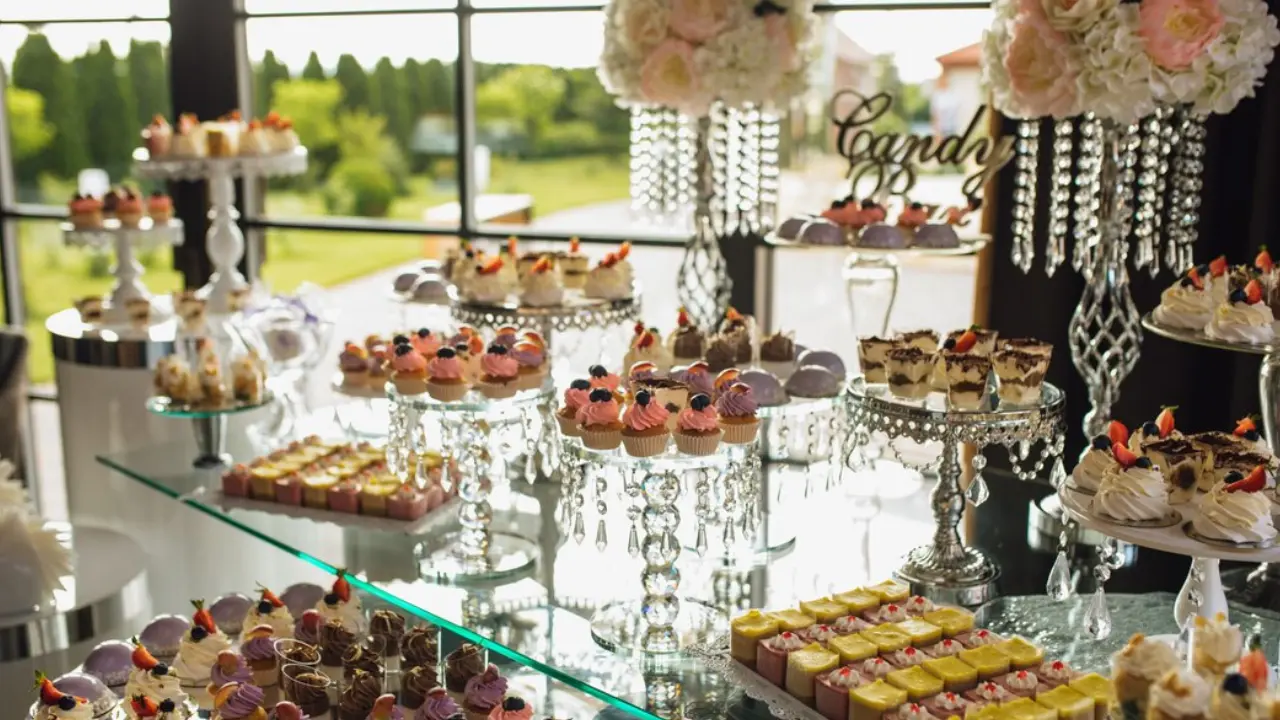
(577, 312)
(1261, 588)
(948, 571)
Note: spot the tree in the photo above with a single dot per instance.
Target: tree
(356, 90)
(36, 67)
(389, 89)
(149, 77)
(371, 169)
(313, 105)
(112, 132)
(888, 81)
(313, 70)
(437, 87)
(269, 72)
(415, 100)
(28, 130)
(525, 94)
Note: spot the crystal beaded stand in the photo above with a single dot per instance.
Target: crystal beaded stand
(947, 570)
(480, 435)
(224, 241)
(661, 623)
(127, 271)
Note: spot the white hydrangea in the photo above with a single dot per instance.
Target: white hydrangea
(995, 40)
(1114, 80)
(738, 66)
(1232, 66)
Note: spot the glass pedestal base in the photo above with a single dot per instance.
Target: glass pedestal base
(620, 627)
(508, 555)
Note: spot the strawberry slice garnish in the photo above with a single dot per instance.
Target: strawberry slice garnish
(203, 618)
(1264, 262)
(543, 265)
(1254, 482)
(639, 328)
(1123, 455)
(1164, 420)
(624, 250)
(609, 260)
(1253, 292)
(965, 342)
(1196, 281)
(341, 587)
(682, 318)
(1118, 432)
(512, 242)
(732, 315)
(144, 707)
(270, 597)
(646, 340)
(142, 657)
(1218, 266)
(490, 267)
(574, 242)
(49, 695)
(1244, 426)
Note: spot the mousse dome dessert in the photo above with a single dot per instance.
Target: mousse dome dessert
(937, 235)
(882, 236)
(300, 597)
(110, 662)
(229, 611)
(765, 386)
(813, 381)
(822, 232)
(823, 358)
(404, 281)
(163, 635)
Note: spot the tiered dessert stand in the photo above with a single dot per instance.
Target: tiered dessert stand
(127, 270)
(577, 312)
(1263, 584)
(947, 571)
(224, 241)
(476, 433)
(209, 425)
(661, 623)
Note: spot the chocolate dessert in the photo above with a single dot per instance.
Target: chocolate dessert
(722, 354)
(966, 379)
(1176, 458)
(420, 647)
(360, 658)
(1026, 345)
(1021, 375)
(335, 640)
(687, 343)
(926, 340)
(389, 626)
(362, 690)
(872, 354)
(461, 665)
(308, 692)
(907, 371)
(415, 683)
(778, 347)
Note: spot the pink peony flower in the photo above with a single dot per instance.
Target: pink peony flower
(1177, 32)
(699, 20)
(1038, 61)
(668, 75)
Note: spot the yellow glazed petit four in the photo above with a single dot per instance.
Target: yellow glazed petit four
(953, 621)
(955, 674)
(887, 637)
(918, 682)
(1069, 704)
(986, 712)
(1022, 654)
(890, 591)
(852, 648)
(373, 497)
(987, 660)
(857, 600)
(872, 701)
(922, 632)
(804, 665)
(748, 630)
(1098, 689)
(315, 491)
(791, 619)
(1027, 709)
(824, 610)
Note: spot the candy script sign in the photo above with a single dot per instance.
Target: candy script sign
(890, 159)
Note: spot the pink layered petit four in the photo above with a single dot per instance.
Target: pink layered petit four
(978, 638)
(943, 648)
(435, 497)
(917, 605)
(1022, 683)
(890, 613)
(407, 503)
(875, 668)
(947, 704)
(1055, 672)
(289, 490)
(910, 711)
(236, 481)
(989, 692)
(831, 691)
(906, 657)
(345, 497)
(771, 656)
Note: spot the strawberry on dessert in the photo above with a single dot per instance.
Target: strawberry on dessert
(1133, 491)
(1246, 431)
(307, 628)
(129, 208)
(978, 638)
(875, 668)
(270, 610)
(425, 342)
(686, 342)
(918, 605)
(342, 605)
(906, 657)
(946, 705)
(913, 216)
(1056, 672)
(152, 679)
(648, 346)
(771, 656)
(1237, 511)
(499, 373)
(1243, 317)
(200, 647)
(888, 613)
(55, 704)
(576, 396)
(86, 212)
(944, 648)
(487, 285)
(831, 691)
(849, 624)
(1162, 428)
(988, 693)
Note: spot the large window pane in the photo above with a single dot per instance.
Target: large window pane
(13, 10)
(78, 96)
(311, 6)
(331, 259)
(55, 276)
(372, 97)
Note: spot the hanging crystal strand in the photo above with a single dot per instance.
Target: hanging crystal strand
(1162, 240)
(977, 492)
(641, 163)
(1145, 209)
(602, 509)
(1059, 586)
(702, 510)
(1024, 194)
(1188, 168)
(749, 194)
(1059, 198)
(1097, 618)
(1087, 193)
(660, 548)
(770, 131)
(668, 156)
(1174, 228)
(577, 500)
(1130, 141)
(687, 161)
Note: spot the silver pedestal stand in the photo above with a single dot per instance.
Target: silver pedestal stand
(661, 623)
(476, 434)
(1261, 587)
(948, 571)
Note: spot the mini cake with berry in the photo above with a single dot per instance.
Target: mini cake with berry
(1162, 428)
(1237, 511)
(831, 691)
(1186, 304)
(698, 427)
(56, 704)
(1133, 492)
(778, 354)
(532, 361)
(200, 648)
(608, 280)
(447, 374)
(408, 370)
(542, 287)
(576, 396)
(1098, 459)
(342, 605)
(737, 410)
(499, 373)
(599, 423)
(270, 610)
(644, 426)
(646, 346)
(86, 212)
(686, 342)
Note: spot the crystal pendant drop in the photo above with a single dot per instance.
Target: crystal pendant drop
(1097, 619)
(579, 528)
(977, 493)
(700, 545)
(633, 542)
(602, 540)
(1058, 586)
(1059, 474)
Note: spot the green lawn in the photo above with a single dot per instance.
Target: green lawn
(54, 276)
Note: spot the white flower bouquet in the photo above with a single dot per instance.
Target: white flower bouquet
(687, 54)
(1060, 58)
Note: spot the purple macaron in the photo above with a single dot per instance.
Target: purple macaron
(301, 597)
(110, 662)
(163, 635)
(822, 358)
(229, 612)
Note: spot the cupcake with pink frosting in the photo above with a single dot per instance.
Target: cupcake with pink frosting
(512, 708)
(499, 373)
(602, 378)
(644, 426)
(737, 409)
(532, 362)
(698, 427)
(484, 693)
(448, 381)
(575, 396)
(598, 421)
(425, 342)
(408, 370)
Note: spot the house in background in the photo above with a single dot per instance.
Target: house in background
(957, 93)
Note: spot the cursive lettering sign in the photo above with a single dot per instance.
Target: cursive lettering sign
(890, 159)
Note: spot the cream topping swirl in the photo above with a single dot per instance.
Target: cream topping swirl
(196, 658)
(1242, 322)
(844, 677)
(1235, 516)
(156, 687)
(1132, 494)
(1181, 693)
(1094, 463)
(876, 667)
(850, 624)
(1184, 307)
(1221, 641)
(907, 657)
(279, 619)
(1144, 658)
(608, 283)
(946, 648)
(785, 642)
(1023, 681)
(79, 711)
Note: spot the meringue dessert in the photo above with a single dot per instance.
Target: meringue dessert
(1094, 462)
(1185, 304)
(907, 370)
(607, 281)
(1237, 511)
(1131, 492)
(541, 287)
(487, 285)
(1244, 317)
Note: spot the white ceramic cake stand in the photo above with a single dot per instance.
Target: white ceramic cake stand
(225, 242)
(124, 241)
(1202, 593)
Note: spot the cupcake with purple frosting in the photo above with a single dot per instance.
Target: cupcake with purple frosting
(532, 363)
(259, 651)
(484, 693)
(737, 409)
(766, 388)
(437, 706)
(238, 701)
(229, 668)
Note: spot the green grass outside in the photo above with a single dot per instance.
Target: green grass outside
(54, 276)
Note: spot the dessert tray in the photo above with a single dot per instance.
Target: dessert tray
(431, 522)
(1198, 337)
(196, 168)
(577, 312)
(168, 407)
(966, 246)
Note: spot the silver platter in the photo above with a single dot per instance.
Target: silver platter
(1197, 337)
(1072, 486)
(576, 313)
(1190, 530)
(1171, 518)
(967, 246)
